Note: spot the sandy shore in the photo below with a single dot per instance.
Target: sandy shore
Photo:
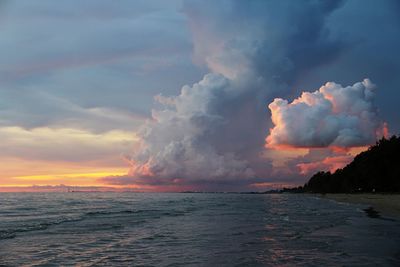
(385, 204)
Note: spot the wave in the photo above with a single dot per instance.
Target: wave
(11, 233)
(39, 226)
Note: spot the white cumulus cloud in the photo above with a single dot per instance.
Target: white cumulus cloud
(331, 116)
(177, 144)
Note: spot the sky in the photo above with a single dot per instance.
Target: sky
(180, 95)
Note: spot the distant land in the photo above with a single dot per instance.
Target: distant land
(376, 170)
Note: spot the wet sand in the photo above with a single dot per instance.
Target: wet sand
(385, 204)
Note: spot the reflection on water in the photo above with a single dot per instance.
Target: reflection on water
(125, 229)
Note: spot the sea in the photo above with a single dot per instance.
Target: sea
(191, 229)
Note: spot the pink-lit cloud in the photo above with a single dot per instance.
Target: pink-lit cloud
(333, 116)
(327, 164)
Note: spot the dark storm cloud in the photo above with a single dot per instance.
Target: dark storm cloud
(263, 49)
(215, 129)
(276, 40)
(372, 29)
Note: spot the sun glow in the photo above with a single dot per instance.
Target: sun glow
(69, 176)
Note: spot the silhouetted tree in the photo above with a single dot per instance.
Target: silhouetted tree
(374, 170)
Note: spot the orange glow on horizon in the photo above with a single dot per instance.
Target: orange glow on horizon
(20, 172)
(19, 175)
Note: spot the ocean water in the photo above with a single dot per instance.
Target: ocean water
(183, 229)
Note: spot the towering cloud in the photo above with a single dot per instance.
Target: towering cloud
(272, 41)
(215, 130)
(331, 116)
(182, 140)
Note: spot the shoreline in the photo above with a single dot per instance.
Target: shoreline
(387, 205)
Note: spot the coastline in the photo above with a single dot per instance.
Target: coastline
(386, 204)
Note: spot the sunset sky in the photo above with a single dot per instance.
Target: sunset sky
(192, 95)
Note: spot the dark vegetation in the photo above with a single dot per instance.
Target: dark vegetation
(374, 170)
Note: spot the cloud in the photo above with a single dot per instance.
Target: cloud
(36, 109)
(178, 142)
(331, 116)
(258, 38)
(329, 163)
(65, 144)
(215, 129)
(96, 55)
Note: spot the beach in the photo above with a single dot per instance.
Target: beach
(386, 204)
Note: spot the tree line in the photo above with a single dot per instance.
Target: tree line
(374, 170)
